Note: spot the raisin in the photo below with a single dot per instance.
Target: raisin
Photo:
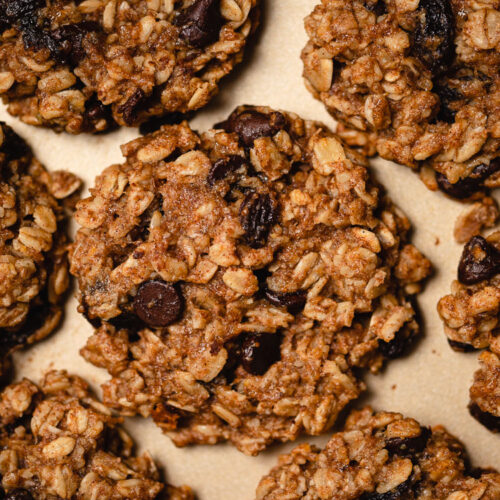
(259, 351)
(400, 492)
(200, 23)
(433, 38)
(132, 106)
(258, 213)
(407, 447)
(251, 124)
(378, 7)
(16, 10)
(480, 261)
(223, 167)
(158, 303)
(447, 96)
(68, 40)
(293, 301)
(95, 111)
(461, 346)
(490, 421)
(395, 348)
(18, 494)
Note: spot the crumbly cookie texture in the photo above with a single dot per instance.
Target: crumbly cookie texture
(471, 315)
(417, 81)
(86, 66)
(33, 245)
(58, 441)
(380, 456)
(258, 264)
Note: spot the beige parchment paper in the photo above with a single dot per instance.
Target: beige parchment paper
(431, 384)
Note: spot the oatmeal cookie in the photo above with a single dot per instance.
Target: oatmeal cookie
(33, 245)
(58, 441)
(237, 276)
(380, 456)
(471, 315)
(86, 66)
(417, 81)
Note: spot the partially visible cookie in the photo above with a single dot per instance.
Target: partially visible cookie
(380, 456)
(33, 244)
(58, 441)
(85, 66)
(418, 82)
(237, 277)
(471, 315)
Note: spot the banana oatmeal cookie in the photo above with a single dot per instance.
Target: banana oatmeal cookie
(380, 456)
(471, 315)
(417, 81)
(239, 275)
(86, 66)
(33, 244)
(58, 442)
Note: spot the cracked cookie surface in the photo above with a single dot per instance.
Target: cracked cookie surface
(88, 66)
(471, 316)
(58, 441)
(417, 82)
(33, 244)
(236, 277)
(380, 456)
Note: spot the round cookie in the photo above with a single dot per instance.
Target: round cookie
(380, 456)
(58, 441)
(471, 315)
(33, 244)
(417, 82)
(86, 66)
(237, 276)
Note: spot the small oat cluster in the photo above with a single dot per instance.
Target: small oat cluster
(417, 81)
(380, 456)
(86, 66)
(33, 244)
(58, 441)
(471, 315)
(238, 276)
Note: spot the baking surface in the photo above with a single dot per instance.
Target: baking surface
(431, 384)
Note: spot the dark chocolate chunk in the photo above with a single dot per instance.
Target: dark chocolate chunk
(491, 422)
(293, 301)
(469, 185)
(480, 261)
(132, 106)
(251, 124)
(433, 38)
(223, 167)
(200, 23)
(259, 351)
(408, 447)
(158, 303)
(461, 346)
(258, 213)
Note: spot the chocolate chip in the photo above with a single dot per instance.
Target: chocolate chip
(406, 447)
(461, 346)
(293, 301)
(258, 213)
(158, 303)
(480, 261)
(259, 351)
(132, 106)
(433, 38)
(491, 422)
(18, 494)
(469, 185)
(223, 167)
(395, 348)
(251, 124)
(447, 96)
(69, 39)
(400, 492)
(200, 23)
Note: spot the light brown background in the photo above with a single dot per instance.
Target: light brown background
(431, 384)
